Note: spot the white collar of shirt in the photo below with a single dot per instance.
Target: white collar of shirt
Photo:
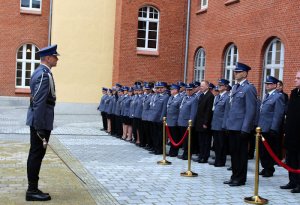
(46, 67)
(270, 93)
(221, 94)
(175, 95)
(205, 92)
(241, 83)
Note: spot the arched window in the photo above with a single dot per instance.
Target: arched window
(148, 24)
(274, 59)
(199, 65)
(27, 61)
(231, 57)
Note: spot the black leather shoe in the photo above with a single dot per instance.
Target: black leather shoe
(183, 157)
(211, 163)
(268, 174)
(227, 182)
(37, 195)
(229, 168)
(288, 186)
(219, 165)
(296, 190)
(262, 172)
(202, 161)
(234, 183)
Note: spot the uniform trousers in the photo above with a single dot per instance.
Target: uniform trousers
(204, 143)
(147, 132)
(36, 154)
(118, 125)
(174, 131)
(221, 142)
(251, 144)
(143, 138)
(112, 122)
(238, 148)
(157, 136)
(185, 145)
(266, 160)
(104, 120)
(136, 123)
(293, 160)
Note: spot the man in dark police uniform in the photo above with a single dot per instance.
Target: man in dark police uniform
(40, 118)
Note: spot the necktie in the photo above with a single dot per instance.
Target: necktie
(267, 95)
(237, 86)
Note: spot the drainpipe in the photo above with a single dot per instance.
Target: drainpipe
(50, 23)
(187, 36)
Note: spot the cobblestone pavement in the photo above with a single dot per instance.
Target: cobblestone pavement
(116, 171)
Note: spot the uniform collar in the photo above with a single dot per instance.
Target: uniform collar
(46, 67)
(271, 92)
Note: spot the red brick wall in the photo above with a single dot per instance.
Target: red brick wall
(250, 25)
(18, 29)
(169, 64)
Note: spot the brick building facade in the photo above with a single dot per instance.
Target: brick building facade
(166, 60)
(253, 27)
(264, 34)
(20, 24)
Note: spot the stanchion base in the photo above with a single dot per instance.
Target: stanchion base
(164, 162)
(188, 174)
(255, 200)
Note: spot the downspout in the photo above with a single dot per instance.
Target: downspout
(50, 23)
(187, 36)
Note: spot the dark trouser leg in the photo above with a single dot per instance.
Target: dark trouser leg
(143, 141)
(266, 160)
(204, 138)
(113, 127)
(176, 137)
(220, 148)
(148, 133)
(293, 160)
(194, 142)
(238, 145)
(251, 146)
(104, 120)
(185, 145)
(35, 157)
(158, 138)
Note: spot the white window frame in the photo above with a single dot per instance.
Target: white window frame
(148, 20)
(231, 64)
(30, 6)
(199, 65)
(32, 61)
(274, 69)
(204, 4)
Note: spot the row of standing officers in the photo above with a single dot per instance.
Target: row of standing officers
(229, 116)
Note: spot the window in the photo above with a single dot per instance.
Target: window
(204, 4)
(31, 4)
(148, 24)
(27, 62)
(231, 58)
(274, 60)
(199, 65)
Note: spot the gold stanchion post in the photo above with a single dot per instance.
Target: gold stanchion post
(164, 161)
(189, 173)
(256, 199)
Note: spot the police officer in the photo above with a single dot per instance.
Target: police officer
(238, 120)
(117, 112)
(220, 138)
(40, 118)
(146, 124)
(187, 111)
(137, 114)
(270, 118)
(173, 106)
(158, 110)
(101, 108)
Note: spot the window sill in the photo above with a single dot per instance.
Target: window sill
(29, 11)
(22, 90)
(201, 11)
(229, 2)
(147, 53)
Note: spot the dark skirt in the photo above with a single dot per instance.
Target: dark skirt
(126, 120)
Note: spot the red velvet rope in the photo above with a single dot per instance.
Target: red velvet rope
(171, 139)
(273, 155)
